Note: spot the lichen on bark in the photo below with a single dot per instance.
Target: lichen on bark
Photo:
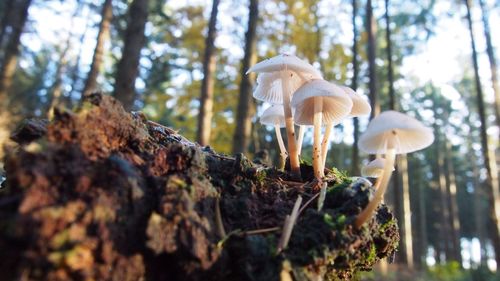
(102, 194)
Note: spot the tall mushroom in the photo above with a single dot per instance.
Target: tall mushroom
(274, 116)
(390, 133)
(288, 72)
(319, 102)
(360, 107)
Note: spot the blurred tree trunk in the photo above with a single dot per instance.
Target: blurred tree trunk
(6, 18)
(354, 85)
(423, 242)
(491, 57)
(56, 90)
(400, 182)
(102, 37)
(75, 71)
(493, 188)
(452, 201)
(207, 85)
(19, 14)
(444, 235)
(246, 105)
(128, 67)
(371, 45)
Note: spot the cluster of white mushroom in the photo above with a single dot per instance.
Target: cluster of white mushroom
(299, 95)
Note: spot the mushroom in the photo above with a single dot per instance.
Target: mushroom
(319, 102)
(274, 116)
(390, 133)
(360, 107)
(287, 72)
(374, 169)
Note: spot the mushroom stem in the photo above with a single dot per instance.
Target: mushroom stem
(290, 129)
(301, 138)
(324, 144)
(281, 145)
(367, 213)
(318, 116)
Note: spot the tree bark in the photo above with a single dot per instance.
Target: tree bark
(371, 45)
(207, 85)
(246, 106)
(128, 67)
(102, 37)
(493, 188)
(491, 57)
(19, 15)
(354, 85)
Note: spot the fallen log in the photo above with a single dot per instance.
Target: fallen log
(102, 194)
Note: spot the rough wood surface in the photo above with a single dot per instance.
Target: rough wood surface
(102, 194)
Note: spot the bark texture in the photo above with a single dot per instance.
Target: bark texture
(102, 37)
(246, 106)
(207, 85)
(106, 195)
(128, 67)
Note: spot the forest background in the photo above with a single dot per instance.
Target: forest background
(183, 64)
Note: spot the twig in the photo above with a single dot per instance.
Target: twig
(289, 224)
(218, 219)
(322, 196)
(260, 231)
(308, 202)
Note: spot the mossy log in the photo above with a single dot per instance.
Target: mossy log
(102, 194)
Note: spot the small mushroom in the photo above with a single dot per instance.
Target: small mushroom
(274, 116)
(374, 169)
(319, 102)
(360, 107)
(390, 133)
(285, 70)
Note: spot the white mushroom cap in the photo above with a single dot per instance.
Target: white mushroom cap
(336, 103)
(374, 169)
(395, 129)
(360, 106)
(269, 88)
(272, 115)
(287, 62)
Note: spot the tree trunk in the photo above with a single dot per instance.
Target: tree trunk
(444, 235)
(128, 67)
(207, 85)
(75, 78)
(493, 188)
(422, 223)
(390, 68)
(452, 201)
(6, 18)
(246, 105)
(354, 85)
(19, 15)
(102, 37)
(491, 57)
(371, 45)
